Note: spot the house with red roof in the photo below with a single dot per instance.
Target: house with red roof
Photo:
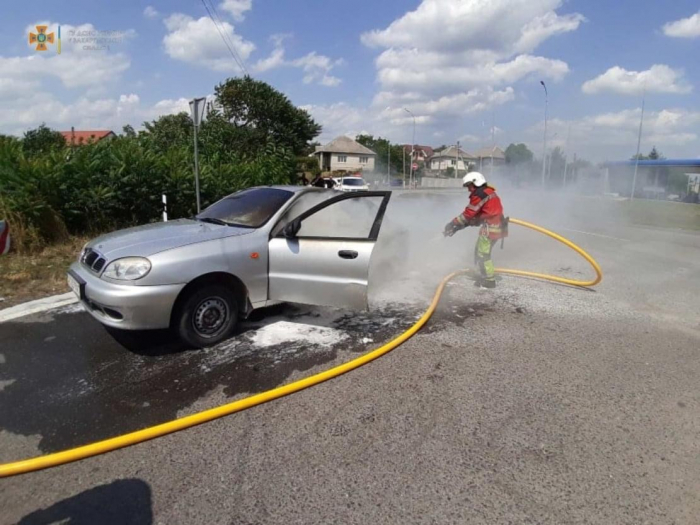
(76, 138)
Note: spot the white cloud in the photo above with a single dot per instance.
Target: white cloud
(471, 139)
(78, 66)
(30, 86)
(150, 12)
(317, 68)
(340, 119)
(500, 27)
(198, 42)
(84, 113)
(659, 78)
(684, 28)
(275, 60)
(613, 135)
(236, 8)
(425, 110)
(450, 78)
(451, 58)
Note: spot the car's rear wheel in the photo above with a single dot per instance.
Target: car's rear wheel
(207, 316)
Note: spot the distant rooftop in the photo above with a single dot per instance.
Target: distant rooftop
(487, 153)
(453, 153)
(83, 137)
(344, 144)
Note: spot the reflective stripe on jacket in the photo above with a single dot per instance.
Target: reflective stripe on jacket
(484, 208)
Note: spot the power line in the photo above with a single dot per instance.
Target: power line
(238, 61)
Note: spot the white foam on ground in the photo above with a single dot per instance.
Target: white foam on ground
(71, 309)
(284, 332)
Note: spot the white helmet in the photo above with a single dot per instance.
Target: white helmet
(475, 178)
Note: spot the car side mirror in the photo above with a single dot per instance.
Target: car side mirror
(290, 230)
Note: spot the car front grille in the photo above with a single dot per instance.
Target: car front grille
(93, 260)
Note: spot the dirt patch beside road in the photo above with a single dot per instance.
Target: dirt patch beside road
(28, 277)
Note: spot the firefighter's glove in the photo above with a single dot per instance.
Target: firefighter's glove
(450, 229)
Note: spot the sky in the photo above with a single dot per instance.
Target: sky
(467, 70)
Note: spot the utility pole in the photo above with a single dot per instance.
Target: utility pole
(457, 170)
(493, 139)
(413, 145)
(544, 146)
(403, 155)
(566, 159)
(639, 142)
(388, 162)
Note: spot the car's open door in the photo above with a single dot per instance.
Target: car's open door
(322, 256)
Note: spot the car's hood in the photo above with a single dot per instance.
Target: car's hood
(150, 239)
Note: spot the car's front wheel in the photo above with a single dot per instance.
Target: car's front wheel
(207, 316)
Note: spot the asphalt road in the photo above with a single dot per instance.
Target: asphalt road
(533, 403)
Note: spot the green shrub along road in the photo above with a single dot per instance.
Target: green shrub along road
(49, 190)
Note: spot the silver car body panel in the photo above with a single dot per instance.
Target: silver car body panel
(310, 271)
(181, 251)
(332, 270)
(144, 241)
(140, 307)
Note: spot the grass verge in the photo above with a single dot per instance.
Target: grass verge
(25, 277)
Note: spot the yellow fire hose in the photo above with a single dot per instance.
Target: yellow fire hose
(100, 447)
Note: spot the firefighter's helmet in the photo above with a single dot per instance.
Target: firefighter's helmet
(475, 178)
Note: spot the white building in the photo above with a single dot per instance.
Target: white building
(344, 154)
(486, 156)
(451, 158)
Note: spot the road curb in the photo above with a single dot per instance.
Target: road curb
(38, 306)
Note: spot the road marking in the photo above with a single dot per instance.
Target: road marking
(596, 234)
(38, 306)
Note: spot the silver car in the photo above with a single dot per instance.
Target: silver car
(252, 249)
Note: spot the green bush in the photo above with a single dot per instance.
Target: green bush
(49, 190)
(119, 183)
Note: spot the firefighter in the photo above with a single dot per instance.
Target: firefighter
(484, 210)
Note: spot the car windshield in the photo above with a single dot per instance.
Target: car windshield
(248, 208)
(353, 182)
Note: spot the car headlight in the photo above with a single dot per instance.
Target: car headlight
(82, 252)
(128, 269)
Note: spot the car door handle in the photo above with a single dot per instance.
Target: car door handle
(347, 254)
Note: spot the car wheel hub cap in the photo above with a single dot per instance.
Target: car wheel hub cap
(210, 316)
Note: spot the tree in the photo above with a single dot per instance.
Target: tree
(169, 131)
(653, 155)
(555, 165)
(311, 147)
(660, 175)
(128, 131)
(265, 114)
(41, 140)
(381, 147)
(518, 153)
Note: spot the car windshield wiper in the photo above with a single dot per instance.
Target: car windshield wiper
(212, 220)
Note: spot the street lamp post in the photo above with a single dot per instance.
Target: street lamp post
(544, 146)
(639, 142)
(413, 145)
(549, 162)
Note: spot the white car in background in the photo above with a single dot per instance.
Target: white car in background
(351, 184)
